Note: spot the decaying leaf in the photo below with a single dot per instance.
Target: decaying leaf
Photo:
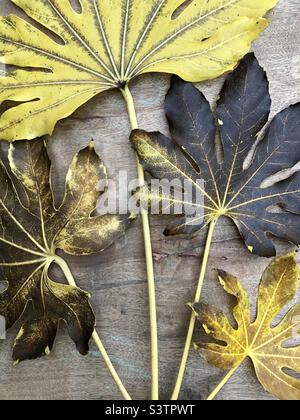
(263, 341)
(32, 230)
(74, 55)
(229, 188)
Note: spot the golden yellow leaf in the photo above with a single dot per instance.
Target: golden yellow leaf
(108, 43)
(264, 340)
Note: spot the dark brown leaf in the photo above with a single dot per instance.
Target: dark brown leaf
(229, 188)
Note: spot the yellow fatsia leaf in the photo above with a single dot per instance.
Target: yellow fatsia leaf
(108, 43)
(264, 341)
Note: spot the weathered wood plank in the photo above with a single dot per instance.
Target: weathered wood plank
(116, 279)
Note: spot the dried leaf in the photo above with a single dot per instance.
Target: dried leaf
(262, 341)
(31, 232)
(74, 55)
(229, 188)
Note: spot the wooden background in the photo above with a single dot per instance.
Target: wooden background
(116, 278)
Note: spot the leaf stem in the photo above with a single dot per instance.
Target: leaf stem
(149, 259)
(191, 328)
(222, 383)
(69, 276)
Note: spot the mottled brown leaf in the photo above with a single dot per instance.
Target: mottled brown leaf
(32, 229)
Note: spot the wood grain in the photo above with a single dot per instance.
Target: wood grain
(116, 278)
